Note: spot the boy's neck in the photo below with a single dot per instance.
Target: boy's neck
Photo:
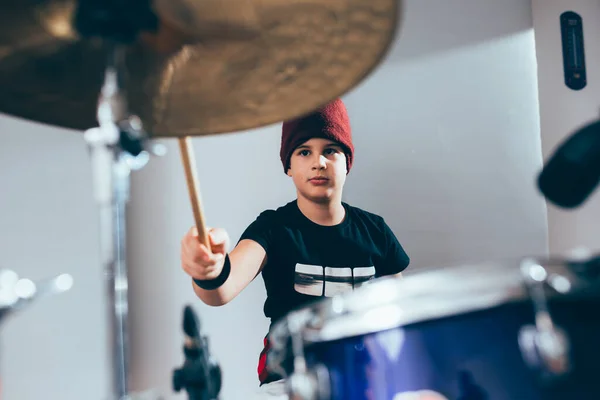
(326, 213)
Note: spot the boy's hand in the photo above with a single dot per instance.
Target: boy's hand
(200, 262)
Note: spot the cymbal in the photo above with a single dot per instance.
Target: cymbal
(212, 67)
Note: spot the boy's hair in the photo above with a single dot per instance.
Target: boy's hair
(328, 122)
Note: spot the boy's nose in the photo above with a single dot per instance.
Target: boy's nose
(320, 162)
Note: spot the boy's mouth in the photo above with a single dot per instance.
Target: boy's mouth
(318, 180)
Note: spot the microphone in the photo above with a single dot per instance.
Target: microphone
(573, 171)
(200, 375)
(191, 324)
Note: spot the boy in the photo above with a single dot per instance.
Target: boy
(313, 247)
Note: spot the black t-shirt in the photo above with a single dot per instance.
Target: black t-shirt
(307, 261)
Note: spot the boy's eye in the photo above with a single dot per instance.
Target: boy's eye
(331, 150)
(304, 152)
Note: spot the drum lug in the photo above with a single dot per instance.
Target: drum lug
(545, 347)
(305, 383)
(545, 351)
(311, 385)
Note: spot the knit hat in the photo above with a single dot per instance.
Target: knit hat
(328, 122)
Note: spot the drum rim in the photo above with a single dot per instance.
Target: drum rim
(495, 284)
(372, 321)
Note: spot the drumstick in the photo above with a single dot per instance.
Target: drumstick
(189, 165)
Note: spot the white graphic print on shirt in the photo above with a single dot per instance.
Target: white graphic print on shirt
(316, 280)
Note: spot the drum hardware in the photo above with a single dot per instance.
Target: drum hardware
(200, 375)
(280, 341)
(304, 383)
(117, 146)
(437, 331)
(545, 346)
(195, 68)
(18, 293)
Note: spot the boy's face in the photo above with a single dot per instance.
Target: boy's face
(318, 169)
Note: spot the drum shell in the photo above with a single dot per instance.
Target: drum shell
(470, 356)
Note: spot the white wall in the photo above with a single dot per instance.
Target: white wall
(563, 110)
(448, 145)
(55, 349)
(447, 137)
(448, 134)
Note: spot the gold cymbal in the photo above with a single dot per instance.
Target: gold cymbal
(214, 66)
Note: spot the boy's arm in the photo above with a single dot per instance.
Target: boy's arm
(246, 261)
(396, 260)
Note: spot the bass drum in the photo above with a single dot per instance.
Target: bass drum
(497, 331)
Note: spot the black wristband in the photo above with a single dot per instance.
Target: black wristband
(211, 284)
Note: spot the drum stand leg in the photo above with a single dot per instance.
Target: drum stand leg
(116, 148)
(544, 346)
(304, 383)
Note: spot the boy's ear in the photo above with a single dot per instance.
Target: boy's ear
(289, 173)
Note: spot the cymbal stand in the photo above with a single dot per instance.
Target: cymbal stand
(116, 147)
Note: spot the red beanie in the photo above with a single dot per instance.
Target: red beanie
(328, 122)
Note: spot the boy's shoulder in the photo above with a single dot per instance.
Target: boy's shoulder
(290, 212)
(364, 214)
(277, 214)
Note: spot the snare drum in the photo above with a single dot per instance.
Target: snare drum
(498, 331)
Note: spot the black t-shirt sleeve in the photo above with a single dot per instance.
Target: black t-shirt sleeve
(261, 229)
(395, 259)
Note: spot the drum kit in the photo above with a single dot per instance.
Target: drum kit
(502, 331)
(129, 72)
